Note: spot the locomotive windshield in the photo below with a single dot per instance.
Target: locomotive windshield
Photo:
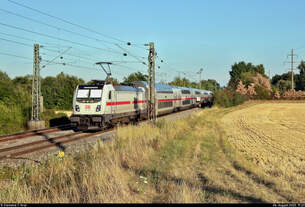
(89, 94)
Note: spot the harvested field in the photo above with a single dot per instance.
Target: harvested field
(272, 137)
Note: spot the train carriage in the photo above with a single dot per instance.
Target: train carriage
(104, 105)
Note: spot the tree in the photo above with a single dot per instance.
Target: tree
(209, 84)
(23, 82)
(241, 88)
(262, 81)
(300, 83)
(184, 82)
(138, 76)
(283, 85)
(301, 67)
(4, 76)
(238, 69)
(58, 91)
(110, 79)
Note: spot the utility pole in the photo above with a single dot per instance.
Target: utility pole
(292, 62)
(151, 95)
(36, 122)
(200, 71)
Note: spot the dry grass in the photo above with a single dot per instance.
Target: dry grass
(271, 136)
(185, 161)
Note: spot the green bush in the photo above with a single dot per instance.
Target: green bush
(262, 93)
(228, 98)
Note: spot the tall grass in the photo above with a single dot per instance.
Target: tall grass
(187, 160)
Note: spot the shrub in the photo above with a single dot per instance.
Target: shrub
(261, 92)
(228, 98)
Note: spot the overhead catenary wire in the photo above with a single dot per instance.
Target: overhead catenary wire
(28, 39)
(56, 27)
(131, 54)
(68, 22)
(17, 56)
(140, 61)
(16, 42)
(43, 46)
(28, 45)
(79, 26)
(57, 38)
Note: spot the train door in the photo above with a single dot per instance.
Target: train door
(175, 99)
(113, 98)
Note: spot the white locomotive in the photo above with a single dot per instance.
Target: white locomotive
(104, 105)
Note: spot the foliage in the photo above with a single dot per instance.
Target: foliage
(15, 99)
(283, 85)
(283, 81)
(209, 84)
(241, 88)
(14, 105)
(110, 79)
(4, 76)
(228, 98)
(293, 94)
(58, 91)
(138, 76)
(262, 81)
(261, 92)
(244, 71)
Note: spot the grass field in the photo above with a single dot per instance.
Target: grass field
(249, 153)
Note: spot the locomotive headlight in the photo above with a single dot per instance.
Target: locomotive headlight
(77, 108)
(98, 108)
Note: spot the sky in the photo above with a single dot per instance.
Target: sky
(188, 35)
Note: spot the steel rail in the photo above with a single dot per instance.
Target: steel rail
(31, 150)
(39, 142)
(32, 133)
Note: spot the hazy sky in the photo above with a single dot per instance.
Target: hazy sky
(188, 35)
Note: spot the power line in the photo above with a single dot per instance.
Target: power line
(89, 60)
(24, 38)
(134, 56)
(20, 43)
(43, 47)
(17, 56)
(22, 57)
(68, 22)
(57, 38)
(58, 28)
(74, 24)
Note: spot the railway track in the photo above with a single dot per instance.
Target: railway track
(13, 152)
(26, 134)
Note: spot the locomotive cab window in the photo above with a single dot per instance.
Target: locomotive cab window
(89, 95)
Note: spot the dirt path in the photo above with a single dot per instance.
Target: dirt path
(272, 137)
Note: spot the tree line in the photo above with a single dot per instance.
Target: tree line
(247, 81)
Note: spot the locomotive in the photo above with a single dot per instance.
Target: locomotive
(103, 105)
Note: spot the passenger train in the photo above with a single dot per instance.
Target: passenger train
(104, 105)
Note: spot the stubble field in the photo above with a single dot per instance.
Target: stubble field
(272, 136)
